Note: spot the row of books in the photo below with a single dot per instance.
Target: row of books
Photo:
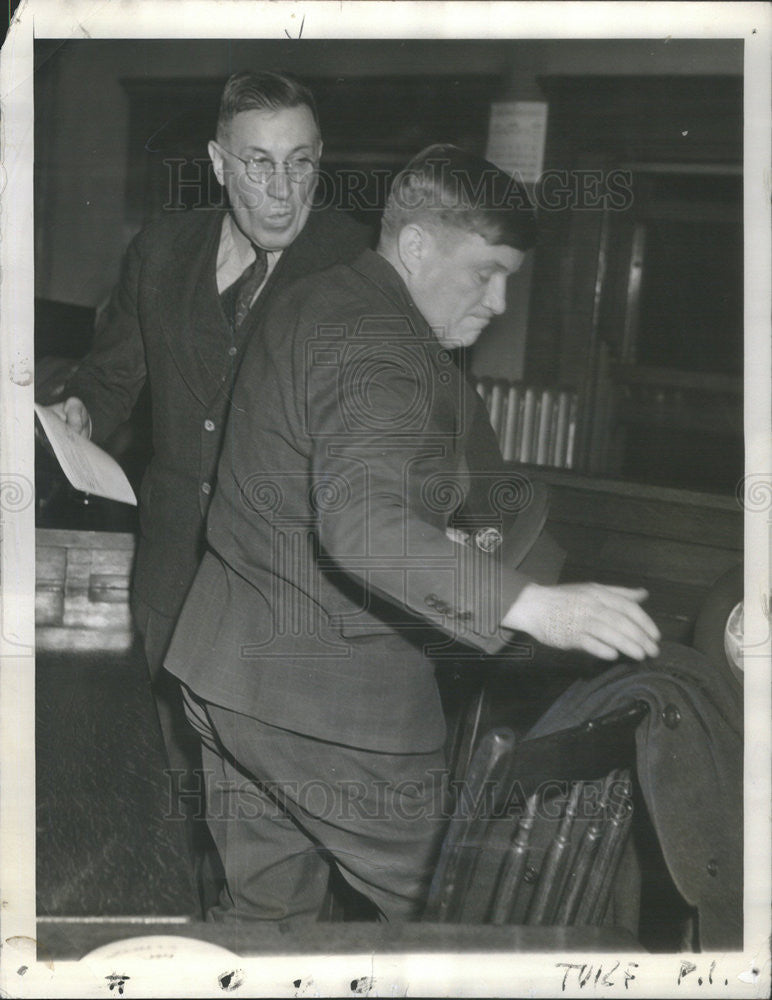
(533, 424)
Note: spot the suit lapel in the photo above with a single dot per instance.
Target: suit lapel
(194, 328)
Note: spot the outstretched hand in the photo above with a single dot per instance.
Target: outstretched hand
(601, 620)
(74, 413)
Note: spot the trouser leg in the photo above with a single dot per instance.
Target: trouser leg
(273, 870)
(184, 781)
(181, 745)
(379, 817)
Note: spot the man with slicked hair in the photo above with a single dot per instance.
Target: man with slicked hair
(192, 292)
(351, 549)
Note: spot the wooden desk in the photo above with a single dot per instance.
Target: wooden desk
(82, 590)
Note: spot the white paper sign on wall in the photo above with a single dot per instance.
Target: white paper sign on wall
(516, 135)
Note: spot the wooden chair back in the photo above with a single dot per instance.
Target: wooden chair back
(539, 826)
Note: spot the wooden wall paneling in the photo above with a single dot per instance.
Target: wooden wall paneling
(636, 556)
(657, 512)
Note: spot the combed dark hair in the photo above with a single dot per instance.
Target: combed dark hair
(248, 91)
(444, 185)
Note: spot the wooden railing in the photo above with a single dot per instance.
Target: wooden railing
(676, 543)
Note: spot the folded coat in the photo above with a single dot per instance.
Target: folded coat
(689, 755)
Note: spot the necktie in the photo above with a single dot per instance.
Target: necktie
(237, 298)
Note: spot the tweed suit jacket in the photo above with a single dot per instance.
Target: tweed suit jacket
(164, 324)
(332, 587)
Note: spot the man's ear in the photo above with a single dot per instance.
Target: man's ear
(412, 246)
(218, 163)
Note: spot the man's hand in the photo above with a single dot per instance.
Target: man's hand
(74, 413)
(600, 620)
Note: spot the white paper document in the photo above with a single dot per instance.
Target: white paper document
(86, 466)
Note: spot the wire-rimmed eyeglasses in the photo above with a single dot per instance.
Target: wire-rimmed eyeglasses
(261, 169)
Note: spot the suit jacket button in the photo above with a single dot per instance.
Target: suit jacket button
(209, 425)
(232, 350)
(206, 488)
(671, 716)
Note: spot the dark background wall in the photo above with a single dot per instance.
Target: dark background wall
(85, 146)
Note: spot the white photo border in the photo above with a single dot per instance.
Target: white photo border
(747, 974)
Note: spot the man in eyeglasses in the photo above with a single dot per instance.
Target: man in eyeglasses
(193, 288)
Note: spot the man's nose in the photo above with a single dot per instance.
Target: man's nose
(496, 294)
(279, 186)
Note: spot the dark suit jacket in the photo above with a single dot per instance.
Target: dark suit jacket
(165, 324)
(332, 586)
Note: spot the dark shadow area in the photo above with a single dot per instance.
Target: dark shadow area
(104, 846)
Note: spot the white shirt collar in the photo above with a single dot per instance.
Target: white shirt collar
(235, 253)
